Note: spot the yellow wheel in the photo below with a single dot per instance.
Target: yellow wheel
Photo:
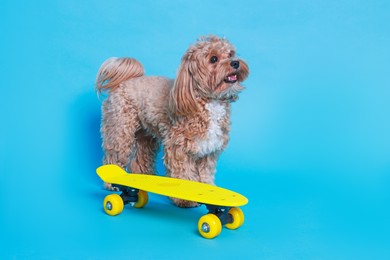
(209, 226)
(142, 199)
(238, 218)
(113, 204)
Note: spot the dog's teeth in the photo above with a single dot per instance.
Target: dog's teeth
(232, 77)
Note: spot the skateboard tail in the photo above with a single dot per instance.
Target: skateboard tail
(109, 172)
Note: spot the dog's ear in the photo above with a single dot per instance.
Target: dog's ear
(182, 96)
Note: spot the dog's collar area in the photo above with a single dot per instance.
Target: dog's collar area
(222, 99)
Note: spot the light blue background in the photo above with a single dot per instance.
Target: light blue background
(310, 142)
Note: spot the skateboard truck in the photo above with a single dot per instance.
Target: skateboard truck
(221, 212)
(113, 204)
(211, 229)
(129, 195)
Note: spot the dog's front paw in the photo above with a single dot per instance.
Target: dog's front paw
(108, 186)
(184, 203)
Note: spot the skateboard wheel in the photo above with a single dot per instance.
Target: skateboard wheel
(238, 218)
(113, 204)
(142, 199)
(209, 226)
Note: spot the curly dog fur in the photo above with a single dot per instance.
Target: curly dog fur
(189, 116)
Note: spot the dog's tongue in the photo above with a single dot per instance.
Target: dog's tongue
(232, 77)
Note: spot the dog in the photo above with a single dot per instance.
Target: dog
(188, 116)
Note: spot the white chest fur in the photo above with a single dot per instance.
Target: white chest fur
(213, 141)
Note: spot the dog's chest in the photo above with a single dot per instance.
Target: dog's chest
(213, 140)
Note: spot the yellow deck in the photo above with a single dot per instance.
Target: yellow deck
(171, 187)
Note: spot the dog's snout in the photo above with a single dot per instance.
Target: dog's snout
(235, 64)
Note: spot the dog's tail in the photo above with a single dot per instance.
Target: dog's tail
(116, 70)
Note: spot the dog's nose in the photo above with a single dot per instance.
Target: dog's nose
(235, 64)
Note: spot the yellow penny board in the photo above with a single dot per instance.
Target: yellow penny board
(171, 187)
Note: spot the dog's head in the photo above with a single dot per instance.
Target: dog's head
(209, 70)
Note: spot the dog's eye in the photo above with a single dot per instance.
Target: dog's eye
(213, 59)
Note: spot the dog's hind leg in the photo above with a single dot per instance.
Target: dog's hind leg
(146, 148)
(119, 125)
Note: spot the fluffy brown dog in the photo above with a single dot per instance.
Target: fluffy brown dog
(189, 116)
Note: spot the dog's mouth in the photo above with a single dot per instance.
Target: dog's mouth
(231, 78)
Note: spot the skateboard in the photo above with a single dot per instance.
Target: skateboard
(222, 204)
